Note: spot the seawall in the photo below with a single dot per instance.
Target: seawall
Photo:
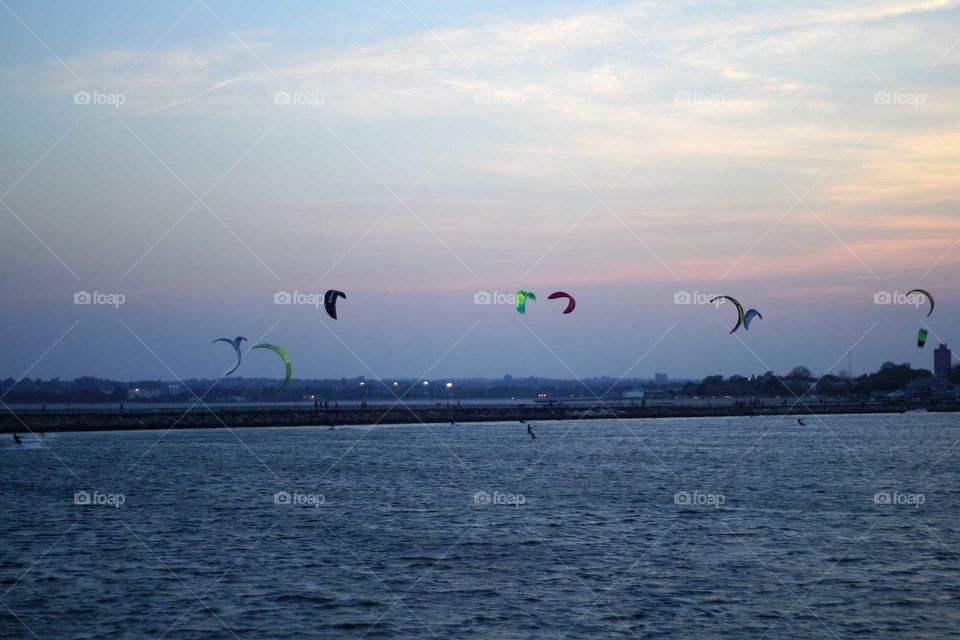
(202, 418)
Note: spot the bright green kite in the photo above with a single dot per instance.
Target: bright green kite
(286, 361)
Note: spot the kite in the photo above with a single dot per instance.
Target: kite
(571, 303)
(750, 315)
(235, 343)
(286, 361)
(739, 310)
(521, 300)
(921, 338)
(927, 294)
(330, 301)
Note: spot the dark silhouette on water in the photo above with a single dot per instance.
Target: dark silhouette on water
(533, 436)
(802, 423)
(17, 439)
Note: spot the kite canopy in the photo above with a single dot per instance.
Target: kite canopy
(571, 303)
(750, 315)
(921, 338)
(928, 296)
(286, 361)
(235, 343)
(739, 310)
(521, 300)
(330, 301)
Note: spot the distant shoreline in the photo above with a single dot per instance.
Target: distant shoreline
(202, 418)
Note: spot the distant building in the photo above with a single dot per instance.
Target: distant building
(942, 359)
(659, 378)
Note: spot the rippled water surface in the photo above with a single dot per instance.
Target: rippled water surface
(695, 528)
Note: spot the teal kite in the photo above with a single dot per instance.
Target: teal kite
(750, 315)
(521, 300)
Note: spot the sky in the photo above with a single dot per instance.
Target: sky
(185, 162)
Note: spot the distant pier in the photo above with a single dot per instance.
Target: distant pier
(201, 417)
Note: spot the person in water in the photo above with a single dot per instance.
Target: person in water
(802, 423)
(533, 436)
(17, 439)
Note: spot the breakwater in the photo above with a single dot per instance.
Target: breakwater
(228, 417)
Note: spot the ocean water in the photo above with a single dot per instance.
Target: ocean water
(688, 528)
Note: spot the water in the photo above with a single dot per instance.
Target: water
(578, 534)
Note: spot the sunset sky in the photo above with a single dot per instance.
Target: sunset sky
(198, 157)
